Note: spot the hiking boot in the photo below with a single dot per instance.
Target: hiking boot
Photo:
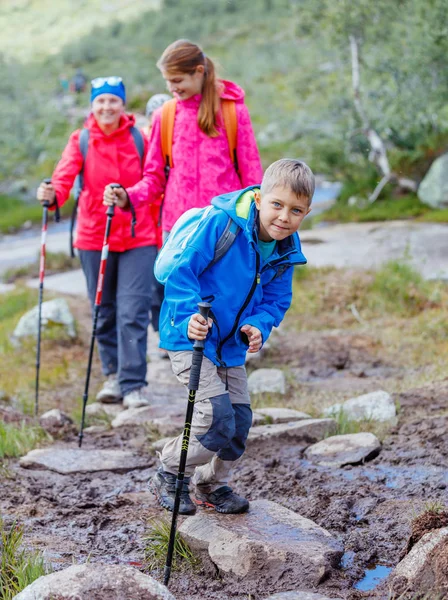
(163, 486)
(110, 393)
(223, 500)
(136, 398)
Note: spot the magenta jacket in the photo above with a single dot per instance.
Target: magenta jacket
(202, 167)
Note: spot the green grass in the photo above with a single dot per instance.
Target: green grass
(156, 541)
(15, 212)
(17, 441)
(55, 262)
(18, 567)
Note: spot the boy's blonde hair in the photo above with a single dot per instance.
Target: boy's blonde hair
(290, 173)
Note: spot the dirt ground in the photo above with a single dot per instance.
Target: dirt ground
(102, 517)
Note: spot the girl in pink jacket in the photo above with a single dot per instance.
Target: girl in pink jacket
(202, 167)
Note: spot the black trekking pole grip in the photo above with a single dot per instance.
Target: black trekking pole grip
(198, 350)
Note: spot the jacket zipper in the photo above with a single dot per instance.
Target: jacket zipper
(255, 282)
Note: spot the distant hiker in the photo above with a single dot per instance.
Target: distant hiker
(250, 290)
(153, 103)
(79, 82)
(115, 151)
(193, 153)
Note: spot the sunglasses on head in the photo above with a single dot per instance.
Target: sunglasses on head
(100, 81)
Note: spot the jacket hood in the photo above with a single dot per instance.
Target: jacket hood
(240, 206)
(126, 122)
(231, 91)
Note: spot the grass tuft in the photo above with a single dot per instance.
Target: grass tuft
(18, 567)
(17, 441)
(156, 542)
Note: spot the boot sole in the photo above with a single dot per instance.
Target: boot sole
(204, 504)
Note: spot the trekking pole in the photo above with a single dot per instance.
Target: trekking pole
(193, 385)
(45, 206)
(96, 310)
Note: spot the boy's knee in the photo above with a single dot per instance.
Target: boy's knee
(243, 422)
(222, 428)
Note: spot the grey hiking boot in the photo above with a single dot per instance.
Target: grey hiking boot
(223, 500)
(163, 486)
(110, 393)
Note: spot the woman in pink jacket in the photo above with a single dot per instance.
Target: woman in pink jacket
(202, 167)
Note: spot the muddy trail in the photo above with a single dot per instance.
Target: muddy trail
(102, 516)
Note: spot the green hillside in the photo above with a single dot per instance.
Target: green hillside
(292, 58)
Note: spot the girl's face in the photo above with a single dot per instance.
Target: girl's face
(107, 110)
(184, 85)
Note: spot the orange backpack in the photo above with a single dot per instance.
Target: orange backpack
(167, 127)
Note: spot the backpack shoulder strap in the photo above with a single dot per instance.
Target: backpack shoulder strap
(139, 143)
(225, 241)
(231, 125)
(166, 131)
(84, 141)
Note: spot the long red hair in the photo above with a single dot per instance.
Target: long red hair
(183, 56)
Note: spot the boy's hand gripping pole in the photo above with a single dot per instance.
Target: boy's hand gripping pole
(193, 385)
(96, 310)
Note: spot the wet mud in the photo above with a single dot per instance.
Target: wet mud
(102, 516)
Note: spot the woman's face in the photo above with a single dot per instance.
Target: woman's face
(184, 85)
(107, 110)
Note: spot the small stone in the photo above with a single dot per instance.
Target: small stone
(55, 315)
(158, 445)
(375, 406)
(98, 409)
(257, 419)
(433, 189)
(282, 415)
(114, 582)
(96, 429)
(267, 542)
(77, 460)
(297, 595)
(307, 430)
(54, 421)
(267, 380)
(340, 450)
(147, 415)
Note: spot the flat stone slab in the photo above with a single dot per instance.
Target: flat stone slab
(150, 415)
(267, 380)
(268, 542)
(297, 595)
(340, 450)
(375, 406)
(99, 409)
(77, 460)
(419, 570)
(307, 430)
(282, 415)
(71, 282)
(87, 581)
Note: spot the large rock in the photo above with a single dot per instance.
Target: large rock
(375, 406)
(340, 450)
(269, 542)
(267, 380)
(96, 582)
(433, 190)
(307, 430)
(424, 569)
(282, 415)
(297, 595)
(76, 460)
(56, 316)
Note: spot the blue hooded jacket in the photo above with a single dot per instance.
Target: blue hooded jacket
(240, 287)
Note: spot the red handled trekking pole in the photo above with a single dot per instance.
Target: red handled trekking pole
(193, 385)
(96, 310)
(45, 206)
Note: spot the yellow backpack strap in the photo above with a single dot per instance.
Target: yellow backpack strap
(231, 125)
(166, 132)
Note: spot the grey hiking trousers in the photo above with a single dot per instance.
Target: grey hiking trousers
(220, 425)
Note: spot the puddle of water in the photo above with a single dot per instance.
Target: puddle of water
(373, 576)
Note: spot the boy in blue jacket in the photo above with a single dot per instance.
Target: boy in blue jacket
(250, 289)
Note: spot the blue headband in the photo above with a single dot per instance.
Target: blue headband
(108, 85)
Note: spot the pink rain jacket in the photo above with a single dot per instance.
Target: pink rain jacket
(110, 158)
(202, 167)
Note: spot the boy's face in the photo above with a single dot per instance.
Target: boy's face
(281, 213)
